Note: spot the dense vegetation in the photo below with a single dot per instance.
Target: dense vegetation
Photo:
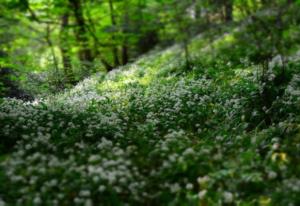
(202, 109)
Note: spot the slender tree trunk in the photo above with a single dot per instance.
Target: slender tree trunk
(184, 35)
(264, 2)
(114, 24)
(85, 53)
(55, 61)
(197, 9)
(50, 44)
(228, 4)
(96, 47)
(64, 48)
(125, 55)
(187, 55)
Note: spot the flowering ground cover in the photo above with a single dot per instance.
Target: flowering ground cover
(151, 133)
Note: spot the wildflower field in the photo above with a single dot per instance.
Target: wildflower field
(152, 133)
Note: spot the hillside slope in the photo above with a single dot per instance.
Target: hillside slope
(152, 133)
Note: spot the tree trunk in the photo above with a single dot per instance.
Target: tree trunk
(85, 53)
(228, 4)
(64, 48)
(187, 55)
(197, 9)
(125, 55)
(96, 44)
(57, 81)
(114, 24)
(264, 2)
(50, 44)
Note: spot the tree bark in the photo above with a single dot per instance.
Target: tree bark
(228, 4)
(197, 9)
(125, 56)
(64, 48)
(85, 53)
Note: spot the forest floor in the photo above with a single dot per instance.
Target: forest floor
(153, 133)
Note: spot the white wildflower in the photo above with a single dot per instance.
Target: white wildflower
(175, 188)
(228, 197)
(2, 203)
(202, 194)
(101, 188)
(189, 186)
(88, 202)
(84, 193)
(272, 175)
(203, 180)
(37, 200)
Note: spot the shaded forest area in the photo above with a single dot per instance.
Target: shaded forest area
(150, 102)
(52, 45)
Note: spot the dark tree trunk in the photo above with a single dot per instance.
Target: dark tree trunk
(85, 53)
(228, 4)
(197, 9)
(115, 55)
(187, 55)
(264, 2)
(125, 56)
(64, 48)
(96, 44)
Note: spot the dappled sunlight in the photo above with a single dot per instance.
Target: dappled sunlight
(150, 103)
